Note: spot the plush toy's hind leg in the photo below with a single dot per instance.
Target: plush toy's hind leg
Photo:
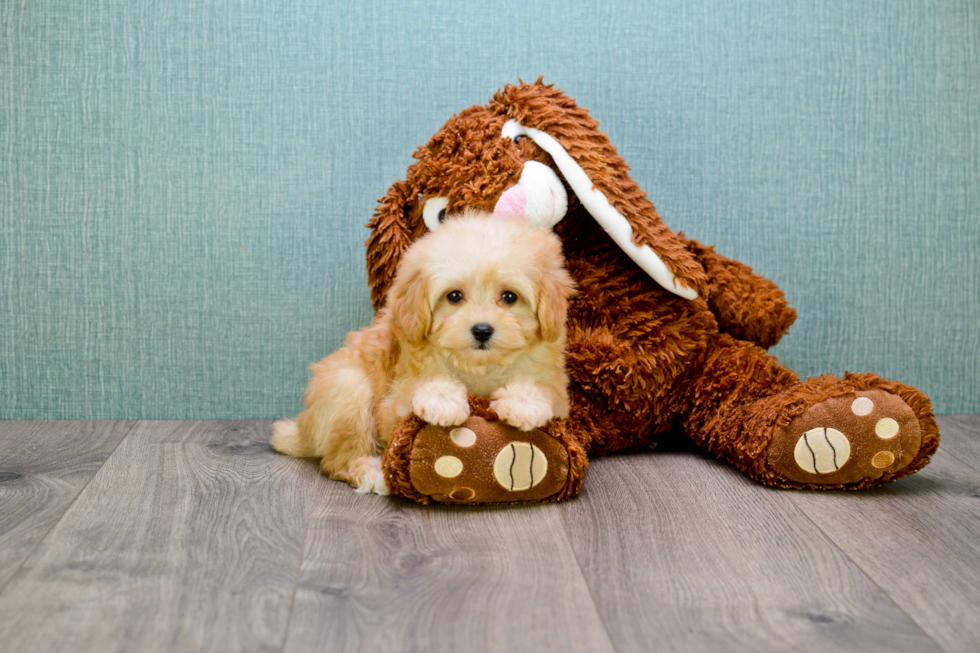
(856, 432)
(483, 461)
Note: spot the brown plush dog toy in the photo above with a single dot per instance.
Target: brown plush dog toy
(664, 332)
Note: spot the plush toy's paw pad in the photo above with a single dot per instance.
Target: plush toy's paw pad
(482, 461)
(847, 439)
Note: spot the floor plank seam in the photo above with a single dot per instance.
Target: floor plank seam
(585, 581)
(299, 572)
(68, 508)
(868, 576)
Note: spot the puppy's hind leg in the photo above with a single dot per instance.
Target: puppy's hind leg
(338, 424)
(365, 475)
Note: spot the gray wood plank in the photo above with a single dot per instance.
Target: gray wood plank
(387, 575)
(960, 438)
(918, 539)
(43, 468)
(685, 553)
(188, 539)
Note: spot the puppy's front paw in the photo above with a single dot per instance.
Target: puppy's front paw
(441, 402)
(524, 405)
(367, 477)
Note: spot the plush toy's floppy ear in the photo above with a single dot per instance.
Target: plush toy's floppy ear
(391, 235)
(600, 179)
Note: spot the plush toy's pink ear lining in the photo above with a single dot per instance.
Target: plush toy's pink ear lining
(597, 204)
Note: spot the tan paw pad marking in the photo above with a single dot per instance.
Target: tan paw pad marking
(822, 450)
(463, 437)
(886, 428)
(520, 466)
(449, 467)
(862, 406)
(463, 493)
(883, 459)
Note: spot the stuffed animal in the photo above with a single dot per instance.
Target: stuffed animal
(664, 333)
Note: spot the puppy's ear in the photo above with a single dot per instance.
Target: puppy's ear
(408, 303)
(555, 288)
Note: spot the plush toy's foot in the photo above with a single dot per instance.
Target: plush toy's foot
(480, 461)
(854, 439)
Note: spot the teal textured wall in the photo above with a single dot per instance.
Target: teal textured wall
(184, 184)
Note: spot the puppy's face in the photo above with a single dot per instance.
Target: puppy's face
(483, 310)
(482, 289)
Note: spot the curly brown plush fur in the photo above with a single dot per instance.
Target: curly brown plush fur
(641, 359)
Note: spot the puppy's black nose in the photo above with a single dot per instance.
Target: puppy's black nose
(482, 332)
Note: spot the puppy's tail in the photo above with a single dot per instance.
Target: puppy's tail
(287, 439)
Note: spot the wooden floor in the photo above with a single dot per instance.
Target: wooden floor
(187, 536)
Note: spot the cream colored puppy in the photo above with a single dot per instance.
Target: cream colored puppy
(477, 307)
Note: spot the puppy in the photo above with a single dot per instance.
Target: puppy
(477, 307)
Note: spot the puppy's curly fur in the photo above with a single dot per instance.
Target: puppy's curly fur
(477, 307)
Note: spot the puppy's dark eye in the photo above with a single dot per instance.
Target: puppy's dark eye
(508, 297)
(519, 138)
(442, 215)
(455, 297)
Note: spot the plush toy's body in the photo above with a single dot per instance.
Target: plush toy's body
(664, 333)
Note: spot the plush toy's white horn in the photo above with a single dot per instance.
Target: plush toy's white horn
(597, 204)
